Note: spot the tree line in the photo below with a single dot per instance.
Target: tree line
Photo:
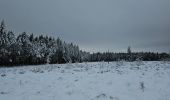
(134, 56)
(25, 49)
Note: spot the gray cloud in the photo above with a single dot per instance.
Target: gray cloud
(95, 25)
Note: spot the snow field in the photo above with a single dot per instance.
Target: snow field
(87, 81)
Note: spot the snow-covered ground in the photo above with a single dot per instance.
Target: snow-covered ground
(87, 81)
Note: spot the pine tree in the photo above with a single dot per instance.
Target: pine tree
(25, 54)
(3, 44)
(129, 50)
(129, 54)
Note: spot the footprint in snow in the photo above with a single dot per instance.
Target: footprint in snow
(103, 96)
(60, 78)
(3, 93)
(69, 93)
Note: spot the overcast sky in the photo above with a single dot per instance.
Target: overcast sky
(95, 25)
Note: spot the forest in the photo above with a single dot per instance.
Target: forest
(27, 49)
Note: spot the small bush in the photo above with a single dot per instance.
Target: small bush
(142, 87)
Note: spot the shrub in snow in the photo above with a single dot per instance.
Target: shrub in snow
(135, 68)
(62, 71)
(21, 72)
(142, 87)
(36, 70)
(139, 62)
(86, 68)
(3, 75)
(119, 63)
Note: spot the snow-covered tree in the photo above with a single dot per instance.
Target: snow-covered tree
(25, 48)
(3, 44)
